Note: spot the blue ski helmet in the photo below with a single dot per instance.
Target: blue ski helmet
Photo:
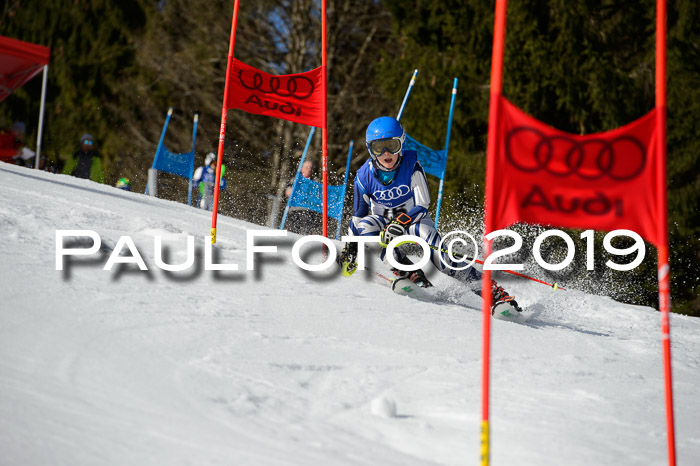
(385, 134)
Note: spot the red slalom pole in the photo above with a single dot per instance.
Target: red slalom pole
(499, 33)
(325, 119)
(664, 269)
(222, 131)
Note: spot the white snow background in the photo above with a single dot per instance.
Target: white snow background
(285, 367)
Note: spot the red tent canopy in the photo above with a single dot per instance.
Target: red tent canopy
(19, 62)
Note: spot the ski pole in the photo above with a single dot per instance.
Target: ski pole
(555, 286)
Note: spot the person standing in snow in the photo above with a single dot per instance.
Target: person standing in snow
(308, 170)
(205, 180)
(11, 142)
(12, 148)
(300, 220)
(86, 162)
(197, 177)
(391, 199)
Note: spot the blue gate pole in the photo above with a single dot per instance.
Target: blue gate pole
(345, 189)
(194, 138)
(447, 145)
(296, 177)
(160, 143)
(408, 92)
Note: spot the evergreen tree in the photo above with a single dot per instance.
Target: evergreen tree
(91, 51)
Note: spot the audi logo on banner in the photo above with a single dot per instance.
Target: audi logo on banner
(298, 87)
(620, 159)
(391, 194)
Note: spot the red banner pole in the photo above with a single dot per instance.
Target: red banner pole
(325, 118)
(222, 131)
(664, 272)
(499, 33)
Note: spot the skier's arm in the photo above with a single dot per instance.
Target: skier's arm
(71, 165)
(198, 174)
(96, 172)
(360, 206)
(360, 200)
(421, 195)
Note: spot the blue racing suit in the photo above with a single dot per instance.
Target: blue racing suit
(376, 204)
(207, 183)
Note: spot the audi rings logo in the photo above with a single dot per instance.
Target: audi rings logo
(621, 159)
(390, 194)
(298, 87)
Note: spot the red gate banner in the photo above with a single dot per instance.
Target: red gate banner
(604, 181)
(293, 97)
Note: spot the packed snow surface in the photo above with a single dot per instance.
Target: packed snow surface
(279, 366)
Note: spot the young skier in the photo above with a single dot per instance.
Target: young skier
(391, 199)
(205, 178)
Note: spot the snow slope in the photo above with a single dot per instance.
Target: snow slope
(280, 366)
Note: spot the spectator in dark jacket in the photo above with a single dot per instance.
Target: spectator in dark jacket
(86, 163)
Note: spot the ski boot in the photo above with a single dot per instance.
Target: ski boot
(417, 276)
(500, 297)
(347, 260)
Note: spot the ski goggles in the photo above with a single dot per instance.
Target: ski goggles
(391, 145)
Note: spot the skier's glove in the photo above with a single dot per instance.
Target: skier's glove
(395, 228)
(348, 259)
